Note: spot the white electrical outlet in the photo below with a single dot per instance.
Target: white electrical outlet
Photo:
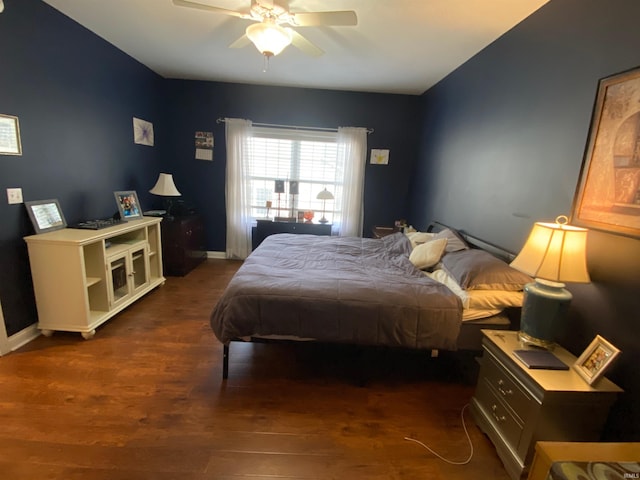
(14, 195)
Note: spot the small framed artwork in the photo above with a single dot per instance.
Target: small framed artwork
(142, 132)
(379, 156)
(46, 215)
(128, 204)
(595, 359)
(10, 135)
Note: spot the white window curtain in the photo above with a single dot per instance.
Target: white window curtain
(352, 146)
(238, 133)
(241, 138)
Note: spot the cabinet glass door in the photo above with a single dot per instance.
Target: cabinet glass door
(119, 278)
(139, 267)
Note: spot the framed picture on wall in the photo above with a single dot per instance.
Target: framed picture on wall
(128, 204)
(45, 215)
(10, 143)
(608, 192)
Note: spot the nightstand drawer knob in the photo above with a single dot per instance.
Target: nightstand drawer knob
(494, 412)
(502, 390)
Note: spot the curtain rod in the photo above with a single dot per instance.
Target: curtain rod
(294, 127)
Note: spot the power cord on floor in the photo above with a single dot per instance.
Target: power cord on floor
(464, 462)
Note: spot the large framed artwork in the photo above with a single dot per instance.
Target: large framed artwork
(608, 193)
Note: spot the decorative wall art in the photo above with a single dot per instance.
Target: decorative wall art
(608, 193)
(142, 132)
(204, 146)
(379, 157)
(10, 135)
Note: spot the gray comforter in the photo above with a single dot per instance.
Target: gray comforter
(337, 289)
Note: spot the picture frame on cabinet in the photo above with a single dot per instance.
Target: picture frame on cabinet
(46, 215)
(128, 204)
(596, 358)
(607, 196)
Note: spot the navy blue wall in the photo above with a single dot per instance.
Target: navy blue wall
(194, 106)
(75, 96)
(502, 147)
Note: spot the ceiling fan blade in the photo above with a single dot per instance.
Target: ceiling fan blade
(242, 42)
(304, 45)
(344, 18)
(209, 8)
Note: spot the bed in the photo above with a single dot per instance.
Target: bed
(403, 291)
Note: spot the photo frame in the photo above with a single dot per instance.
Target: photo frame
(607, 196)
(10, 143)
(128, 204)
(595, 359)
(46, 215)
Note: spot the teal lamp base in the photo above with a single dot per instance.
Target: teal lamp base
(543, 313)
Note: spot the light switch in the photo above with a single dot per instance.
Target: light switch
(14, 195)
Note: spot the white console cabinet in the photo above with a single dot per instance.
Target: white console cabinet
(82, 278)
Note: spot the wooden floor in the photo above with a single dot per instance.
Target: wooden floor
(144, 400)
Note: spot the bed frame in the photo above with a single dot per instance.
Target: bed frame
(470, 337)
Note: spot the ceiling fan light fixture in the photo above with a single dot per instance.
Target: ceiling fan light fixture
(269, 38)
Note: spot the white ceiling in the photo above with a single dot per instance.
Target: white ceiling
(398, 46)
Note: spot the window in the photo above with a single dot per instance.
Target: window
(308, 157)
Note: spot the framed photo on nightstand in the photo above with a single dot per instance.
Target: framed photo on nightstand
(595, 359)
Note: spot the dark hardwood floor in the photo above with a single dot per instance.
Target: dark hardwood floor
(144, 399)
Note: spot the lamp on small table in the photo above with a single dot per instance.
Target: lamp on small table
(165, 187)
(324, 195)
(553, 254)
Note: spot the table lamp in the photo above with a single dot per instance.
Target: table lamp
(324, 195)
(553, 254)
(165, 187)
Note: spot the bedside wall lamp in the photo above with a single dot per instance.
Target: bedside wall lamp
(553, 254)
(165, 187)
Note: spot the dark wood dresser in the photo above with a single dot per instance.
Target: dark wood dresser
(183, 244)
(264, 228)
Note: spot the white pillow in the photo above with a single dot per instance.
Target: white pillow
(479, 299)
(428, 254)
(417, 238)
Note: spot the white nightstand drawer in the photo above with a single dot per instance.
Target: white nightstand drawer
(508, 389)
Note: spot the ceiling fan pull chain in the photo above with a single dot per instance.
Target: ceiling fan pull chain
(265, 63)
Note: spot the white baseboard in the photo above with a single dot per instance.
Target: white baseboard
(23, 337)
(217, 255)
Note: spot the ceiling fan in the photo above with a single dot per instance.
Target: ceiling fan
(269, 37)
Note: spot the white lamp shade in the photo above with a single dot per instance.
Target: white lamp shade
(325, 195)
(555, 252)
(269, 38)
(165, 186)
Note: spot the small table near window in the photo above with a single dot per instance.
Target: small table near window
(380, 231)
(264, 228)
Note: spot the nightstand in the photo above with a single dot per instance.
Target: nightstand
(517, 406)
(183, 244)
